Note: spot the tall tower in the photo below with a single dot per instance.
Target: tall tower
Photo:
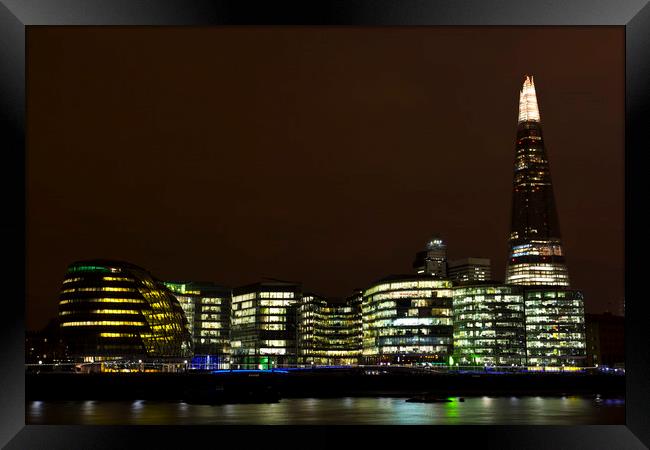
(433, 260)
(536, 256)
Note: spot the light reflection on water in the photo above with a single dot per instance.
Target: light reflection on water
(354, 411)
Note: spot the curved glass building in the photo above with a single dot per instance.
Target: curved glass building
(329, 333)
(113, 309)
(407, 319)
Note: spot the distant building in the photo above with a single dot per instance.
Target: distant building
(407, 319)
(113, 309)
(329, 333)
(187, 299)
(432, 260)
(605, 340)
(489, 324)
(555, 328)
(207, 307)
(310, 339)
(469, 269)
(536, 254)
(263, 325)
(45, 348)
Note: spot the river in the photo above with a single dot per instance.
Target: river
(567, 410)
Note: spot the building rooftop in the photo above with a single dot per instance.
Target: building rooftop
(528, 108)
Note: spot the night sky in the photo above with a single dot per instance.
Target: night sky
(322, 155)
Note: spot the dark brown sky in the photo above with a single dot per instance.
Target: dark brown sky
(326, 155)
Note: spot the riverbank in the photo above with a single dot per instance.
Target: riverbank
(239, 386)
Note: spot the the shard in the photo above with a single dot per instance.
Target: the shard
(536, 256)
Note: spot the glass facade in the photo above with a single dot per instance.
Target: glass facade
(110, 309)
(407, 320)
(263, 325)
(207, 308)
(536, 256)
(187, 300)
(489, 325)
(329, 333)
(555, 328)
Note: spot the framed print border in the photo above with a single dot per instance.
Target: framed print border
(17, 15)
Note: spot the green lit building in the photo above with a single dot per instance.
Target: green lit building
(329, 333)
(115, 310)
(555, 328)
(263, 325)
(489, 325)
(207, 308)
(407, 319)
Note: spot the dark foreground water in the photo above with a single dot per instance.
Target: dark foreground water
(346, 411)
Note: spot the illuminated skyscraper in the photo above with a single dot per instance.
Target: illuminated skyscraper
(536, 256)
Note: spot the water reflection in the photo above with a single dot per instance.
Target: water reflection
(451, 413)
(353, 411)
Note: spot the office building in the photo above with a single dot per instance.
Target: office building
(329, 333)
(536, 255)
(207, 308)
(555, 328)
(432, 260)
(469, 269)
(263, 325)
(489, 325)
(407, 319)
(187, 299)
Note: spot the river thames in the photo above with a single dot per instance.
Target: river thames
(566, 410)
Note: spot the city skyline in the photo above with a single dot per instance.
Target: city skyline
(362, 244)
(116, 310)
